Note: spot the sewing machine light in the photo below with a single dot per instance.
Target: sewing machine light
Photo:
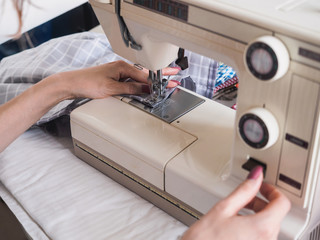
(258, 128)
(267, 58)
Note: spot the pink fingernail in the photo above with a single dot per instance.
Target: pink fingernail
(179, 68)
(176, 81)
(255, 173)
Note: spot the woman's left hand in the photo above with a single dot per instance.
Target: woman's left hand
(105, 80)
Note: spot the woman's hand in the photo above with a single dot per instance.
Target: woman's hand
(105, 80)
(224, 222)
(102, 81)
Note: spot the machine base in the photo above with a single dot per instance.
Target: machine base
(156, 196)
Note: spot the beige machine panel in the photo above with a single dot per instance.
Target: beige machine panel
(298, 134)
(136, 140)
(243, 32)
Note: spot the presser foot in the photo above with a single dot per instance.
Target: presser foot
(158, 88)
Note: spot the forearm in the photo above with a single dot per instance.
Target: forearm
(19, 114)
(102, 81)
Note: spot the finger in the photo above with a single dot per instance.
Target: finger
(170, 71)
(173, 83)
(165, 71)
(278, 206)
(134, 88)
(129, 71)
(257, 204)
(242, 195)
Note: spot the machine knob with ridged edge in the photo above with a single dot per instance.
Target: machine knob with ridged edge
(267, 58)
(258, 128)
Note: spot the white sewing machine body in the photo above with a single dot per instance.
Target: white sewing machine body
(185, 166)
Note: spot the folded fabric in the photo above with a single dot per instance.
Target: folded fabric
(20, 71)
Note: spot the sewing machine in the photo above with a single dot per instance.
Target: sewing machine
(185, 161)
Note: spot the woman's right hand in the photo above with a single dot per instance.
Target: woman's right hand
(224, 222)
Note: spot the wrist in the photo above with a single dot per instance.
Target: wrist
(58, 87)
(71, 84)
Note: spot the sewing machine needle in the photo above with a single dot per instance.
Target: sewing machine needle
(159, 82)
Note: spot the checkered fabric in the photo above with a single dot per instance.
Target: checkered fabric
(76, 51)
(20, 71)
(203, 71)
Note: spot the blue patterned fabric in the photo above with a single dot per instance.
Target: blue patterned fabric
(224, 73)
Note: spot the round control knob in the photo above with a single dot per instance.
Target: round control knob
(267, 58)
(258, 128)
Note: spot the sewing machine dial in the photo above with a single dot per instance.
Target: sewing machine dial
(258, 128)
(267, 58)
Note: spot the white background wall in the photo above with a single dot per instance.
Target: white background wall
(35, 13)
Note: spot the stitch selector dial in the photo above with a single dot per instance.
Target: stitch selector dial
(258, 128)
(267, 58)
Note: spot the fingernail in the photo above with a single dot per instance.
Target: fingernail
(179, 68)
(255, 173)
(145, 88)
(176, 81)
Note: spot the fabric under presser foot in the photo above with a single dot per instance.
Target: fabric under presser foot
(148, 99)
